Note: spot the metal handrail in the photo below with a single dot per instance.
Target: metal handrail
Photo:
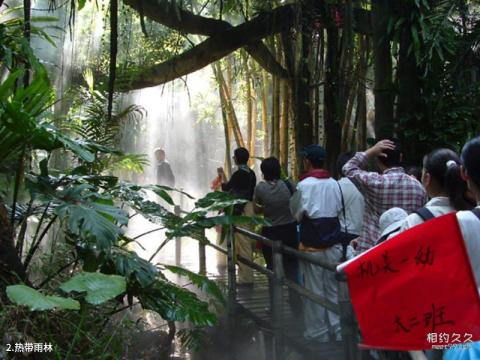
(302, 291)
(277, 280)
(288, 250)
(320, 300)
(344, 307)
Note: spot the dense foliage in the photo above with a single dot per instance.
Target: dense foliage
(79, 258)
(329, 72)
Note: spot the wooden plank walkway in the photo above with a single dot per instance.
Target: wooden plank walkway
(255, 304)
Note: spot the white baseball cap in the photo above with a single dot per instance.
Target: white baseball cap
(392, 219)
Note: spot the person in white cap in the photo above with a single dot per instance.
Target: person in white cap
(391, 222)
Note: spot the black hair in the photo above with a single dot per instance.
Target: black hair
(342, 160)
(159, 151)
(241, 155)
(316, 162)
(415, 171)
(471, 159)
(394, 156)
(270, 168)
(443, 165)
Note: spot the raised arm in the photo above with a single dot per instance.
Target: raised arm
(231, 184)
(354, 169)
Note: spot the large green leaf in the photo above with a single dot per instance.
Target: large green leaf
(130, 265)
(77, 148)
(200, 281)
(174, 303)
(91, 216)
(99, 287)
(23, 119)
(24, 295)
(215, 201)
(88, 224)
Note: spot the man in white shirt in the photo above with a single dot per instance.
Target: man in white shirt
(352, 200)
(316, 206)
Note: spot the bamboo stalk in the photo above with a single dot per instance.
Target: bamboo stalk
(230, 110)
(284, 124)
(253, 133)
(264, 94)
(228, 163)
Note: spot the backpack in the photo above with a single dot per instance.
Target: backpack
(476, 212)
(385, 237)
(344, 237)
(289, 186)
(424, 213)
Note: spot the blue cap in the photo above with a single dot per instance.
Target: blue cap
(313, 151)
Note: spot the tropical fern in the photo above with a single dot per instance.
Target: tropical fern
(89, 120)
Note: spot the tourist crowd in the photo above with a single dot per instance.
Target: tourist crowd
(335, 217)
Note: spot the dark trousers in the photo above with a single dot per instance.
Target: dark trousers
(287, 234)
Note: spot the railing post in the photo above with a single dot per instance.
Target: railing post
(202, 263)
(347, 321)
(178, 240)
(232, 283)
(278, 349)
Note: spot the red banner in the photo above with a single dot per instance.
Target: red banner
(417, 290)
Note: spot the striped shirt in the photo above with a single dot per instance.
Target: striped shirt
(393, 188)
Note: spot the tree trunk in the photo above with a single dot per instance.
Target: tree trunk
(382, 69)
(274, 117)
(223, 39)
(302, 101)
(12, 270)
(232, 117)
(275, 132)
(264, 94)
(347, 127)
(361, 112)
(347, 75)
(249, 102)
(294, 166)
(228, 162)
(409, 103)
(171, 15)
(284, 124)
(253, 135)
(113, 55)
(275, 104)
(333, 129)
(212, 49)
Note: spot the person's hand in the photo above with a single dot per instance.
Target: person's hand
(354, 243)
(221, 174)
(379, 148)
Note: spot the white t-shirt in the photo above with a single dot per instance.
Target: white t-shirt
(470, 227)
(316, 198)
(438, 206)
(354, 207)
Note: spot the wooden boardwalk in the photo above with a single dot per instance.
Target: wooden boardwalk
(254, 303)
